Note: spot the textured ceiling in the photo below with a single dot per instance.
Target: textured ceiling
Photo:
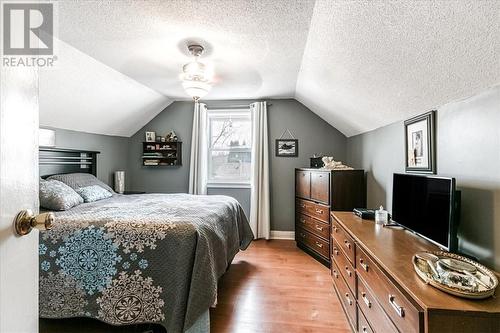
(255, 46)
(82, 94)
(358, 64)
(371, 63)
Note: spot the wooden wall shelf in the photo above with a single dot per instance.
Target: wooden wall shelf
(159, 154)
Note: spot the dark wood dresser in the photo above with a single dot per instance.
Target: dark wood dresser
(317, 192)
(374, 279)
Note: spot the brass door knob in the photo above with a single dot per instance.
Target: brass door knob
(26, 221)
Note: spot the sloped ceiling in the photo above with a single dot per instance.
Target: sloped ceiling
(82, 94)
(358, 64)
(370, 63)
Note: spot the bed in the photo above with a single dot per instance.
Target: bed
(129, 259)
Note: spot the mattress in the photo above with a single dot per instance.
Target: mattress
(148, 258)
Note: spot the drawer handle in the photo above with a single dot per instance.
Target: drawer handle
(334, 272)
(364, 329)
(319, 245)
(347, 244)
(303, 205)
(335, 251)
(303, 221)
(302, 235)
(363, 265)
(349, 301)
(367, 302)
(319, 211)
(319, 228)
(349, 273)
(335, 229)
(399, 309)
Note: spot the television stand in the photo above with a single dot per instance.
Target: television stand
(373, 276)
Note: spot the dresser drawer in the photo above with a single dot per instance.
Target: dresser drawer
(302, 206)
(347, 299)
(406, 316)
(315, 243)
(344, 267)
(373, 311)
(320, 186)
(346, 243)
(334, 271)
(363, 326)
(318, 228)
(321, 212)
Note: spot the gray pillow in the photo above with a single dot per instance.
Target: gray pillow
(78, 180)
(55, 195)
(93, 193)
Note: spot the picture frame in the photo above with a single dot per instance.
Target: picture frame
(420, 144)
(150, 136)
(287, 148)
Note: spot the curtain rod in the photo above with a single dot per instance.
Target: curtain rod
(234, 106)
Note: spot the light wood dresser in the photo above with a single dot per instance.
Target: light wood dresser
(374, 279)
(317, 192)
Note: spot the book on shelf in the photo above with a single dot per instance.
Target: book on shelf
(151, 162)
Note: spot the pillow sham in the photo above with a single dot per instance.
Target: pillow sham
(93, 193)
(78, 180)
(55, 195)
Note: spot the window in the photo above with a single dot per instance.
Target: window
(230, 146)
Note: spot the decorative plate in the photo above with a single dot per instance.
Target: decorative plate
(456, 275)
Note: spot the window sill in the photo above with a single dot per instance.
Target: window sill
(229, 185)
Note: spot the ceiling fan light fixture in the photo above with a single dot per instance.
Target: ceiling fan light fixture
(196, 89)
(196, 79)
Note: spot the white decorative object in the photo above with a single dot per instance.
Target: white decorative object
(381, 216)
(120, 181)
(331, 164)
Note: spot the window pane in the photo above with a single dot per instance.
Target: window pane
(230, 132)
(230, 166)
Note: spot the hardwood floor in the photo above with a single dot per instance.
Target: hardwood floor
(275, 287)
(271, 287)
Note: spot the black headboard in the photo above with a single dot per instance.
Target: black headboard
(53, 161)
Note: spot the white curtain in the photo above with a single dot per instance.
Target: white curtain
(260, 199)
(199, 157)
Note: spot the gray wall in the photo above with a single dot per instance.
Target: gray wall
(468, 148)
(114, 150)
(314, 134)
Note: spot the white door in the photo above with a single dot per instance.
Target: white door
(18, 191)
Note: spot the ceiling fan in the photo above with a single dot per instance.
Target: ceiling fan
(196, 76)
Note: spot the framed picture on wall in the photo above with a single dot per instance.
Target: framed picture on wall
(287, 147)
(150, 136)
(420, 143)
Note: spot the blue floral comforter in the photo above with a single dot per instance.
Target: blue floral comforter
(149, 258)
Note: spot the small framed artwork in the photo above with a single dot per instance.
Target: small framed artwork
(150, 136)
(420, 143)
(287, 147)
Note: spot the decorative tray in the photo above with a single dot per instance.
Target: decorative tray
(455, 274)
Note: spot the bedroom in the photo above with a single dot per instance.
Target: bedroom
(255, 93)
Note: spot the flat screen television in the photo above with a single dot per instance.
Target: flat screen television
(428, 206)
